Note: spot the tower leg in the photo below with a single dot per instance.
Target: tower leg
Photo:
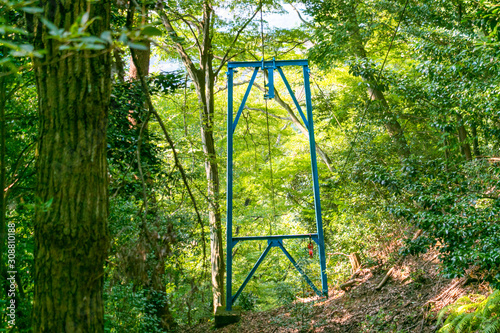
(229, 192)
(314, 167)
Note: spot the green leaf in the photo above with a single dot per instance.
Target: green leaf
(106, 36)
(137, 46)
(49, 24)
(32, 10)
(90, 40)
(94, 47)
(85, 18)
(23, 50)
(9, 44)
(151, 31)
(6, 29)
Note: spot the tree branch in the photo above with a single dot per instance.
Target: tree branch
(324, 157)
(139, 164)
(297, 44)
(309, 24)
(153, 111)
(240, 30)
(197, 42)
(20, 158)
(268, 113)
(234, 85)
(206, 24)
(174, 37)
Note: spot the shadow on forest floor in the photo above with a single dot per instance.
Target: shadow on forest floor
(408, 302)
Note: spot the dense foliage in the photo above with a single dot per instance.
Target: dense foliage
(406, 98)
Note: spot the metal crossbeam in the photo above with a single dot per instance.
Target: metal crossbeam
(244, 238)
(274, 240)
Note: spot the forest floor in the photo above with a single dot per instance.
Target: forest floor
(409, 302)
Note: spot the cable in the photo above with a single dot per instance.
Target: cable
(271, 170)
(371, 95)
(262, 34)
(267, 126)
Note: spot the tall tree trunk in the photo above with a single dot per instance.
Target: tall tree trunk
(159, 248)
(462, 135)
(71, 234)
(391, 123)
(142, 57)
(212, 174)
(204, 79)
(207, 108)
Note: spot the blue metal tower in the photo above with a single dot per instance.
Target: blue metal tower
(272, 241)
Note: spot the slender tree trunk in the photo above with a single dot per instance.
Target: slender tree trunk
(212, 174)
(462, 135)
(391, 124)
(71, 235)
(207, 77)
(203, 79)
(475, 141)
(207, 109)
(118, 65)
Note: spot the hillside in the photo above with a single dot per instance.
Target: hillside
(408, 302)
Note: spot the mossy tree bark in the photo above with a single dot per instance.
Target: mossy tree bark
(3, 169)
(71, 235)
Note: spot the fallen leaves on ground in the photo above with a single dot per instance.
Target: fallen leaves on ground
(408, 302)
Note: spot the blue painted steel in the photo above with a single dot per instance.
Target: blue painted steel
(290, 91)
(294, 263)
(314, 167)
(270, 83)
(245, 238)
(267, 63)
(229, 193)
(244, 101)
(249, 276)
(270, 78)
(275, 240)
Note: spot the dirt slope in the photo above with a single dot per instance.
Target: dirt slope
(408, 302)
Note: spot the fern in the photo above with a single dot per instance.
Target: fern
(492, 304)
(464, 323)
(493, 327)
(472, 313)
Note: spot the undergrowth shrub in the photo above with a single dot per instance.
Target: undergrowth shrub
(458, 210)
(247, 301)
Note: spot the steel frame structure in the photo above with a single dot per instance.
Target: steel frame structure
(272, 241)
